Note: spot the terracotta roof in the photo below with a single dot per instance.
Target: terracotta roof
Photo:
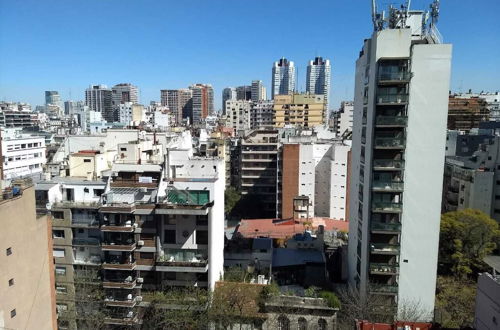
(283, 228)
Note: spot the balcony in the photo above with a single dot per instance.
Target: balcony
(122, 301)
(380, 227)
(118, 246)
(129, 318)
(392, 99)
(388, 165)
(387, 186)
(92, 260)
(390, 289)
(391, 121)
(389, 78)
(183, 258)
(119, 283)
(391, 207)
(384, 248)
(119, 227)
(117, 262)
(389, 142)
(383, 269)
(193, 202)
(86, 241)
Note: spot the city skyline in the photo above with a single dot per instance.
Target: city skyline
(158, 59)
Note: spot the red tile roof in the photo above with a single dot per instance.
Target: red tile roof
(283, 228)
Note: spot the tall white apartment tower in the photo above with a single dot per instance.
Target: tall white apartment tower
(283, 80)
(318, 78)
(399, 135)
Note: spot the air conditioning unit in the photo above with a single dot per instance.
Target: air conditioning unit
(138, 298)
(128, 279)
(128, 223)
(144, 189)
(140, 243)
(135, 225)
(140, 280)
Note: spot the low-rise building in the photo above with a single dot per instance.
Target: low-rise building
(301, 110)
(23, 155)
(465, 114)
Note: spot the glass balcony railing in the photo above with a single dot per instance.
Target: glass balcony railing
(386, 206)
(179, 257)
(391, 120)
(384, 248)
(386, 226)
(381, 268)
(86, 241)
(390, 142)
(388, 185)
(388, 164)
(392, 98)
(394, 76)
(383, 288)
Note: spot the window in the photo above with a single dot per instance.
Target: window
(60, 270)
(87, 160)
(12, 313)
(11, 282)
(302, 324)
(61, 308)
(58, 215)
(86, 190)
(169, 237)
(59, 253)
(8, 251)
(202, 220)
(61, 289)
(123, 149)
(146, 255)
(98, 192)
(322, 324)
(202, 237)
(283, 323)
(57, 233)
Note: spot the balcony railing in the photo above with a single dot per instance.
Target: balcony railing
(86, 241)
(381, 268)
(388, 164)
(390, 142)
(386, 206)
(394, 76)
(384, 248)
(388, 185)
(384, 288)
(391, 120)
(183, 257)
(380, 226)
(392, 98)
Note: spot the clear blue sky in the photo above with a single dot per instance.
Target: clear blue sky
(66, 45)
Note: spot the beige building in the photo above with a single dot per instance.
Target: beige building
(87, 163)
(305, 110)
(27, 297)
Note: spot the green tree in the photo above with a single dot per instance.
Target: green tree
(466, 237)
(231, 199)
(455, 302)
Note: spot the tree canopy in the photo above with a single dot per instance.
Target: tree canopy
(466, 237)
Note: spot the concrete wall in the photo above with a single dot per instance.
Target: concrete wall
(32, 295)
(487, 303)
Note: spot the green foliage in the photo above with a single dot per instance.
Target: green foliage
(455, 302)
(231, 198)
(466, 237)
(311, 292)
(331, 299)
(234, 274)
(268, 291)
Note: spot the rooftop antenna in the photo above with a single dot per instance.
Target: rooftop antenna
(374, 15)
(434, 12)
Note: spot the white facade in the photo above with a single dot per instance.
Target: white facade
(228, 93)
(262, 114)
(238, 114)
(23, 156)
(283, 78)
(318, 79)
(401, 87)
(345, 118)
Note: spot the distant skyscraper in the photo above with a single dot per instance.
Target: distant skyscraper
(258, 91)
(402, 83)
(178, 101)
(99, 98)
(203, 102)
(228, 93)
(244, 93)
(318, 78)
(124, 92)
(52, 97)
(283, 80)
(72, 107)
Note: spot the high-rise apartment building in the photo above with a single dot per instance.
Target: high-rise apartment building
(124, 92)
(99, 98)
(258, 91)
(203, 102)
(27, 273)
(305, 110)
(343, 118)
(228, 93)
(283, 78)
(262, 114)
(318, 78)
(238, 114)
(52, 97)
(178, 101)
(244, 93)
(402, 84)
